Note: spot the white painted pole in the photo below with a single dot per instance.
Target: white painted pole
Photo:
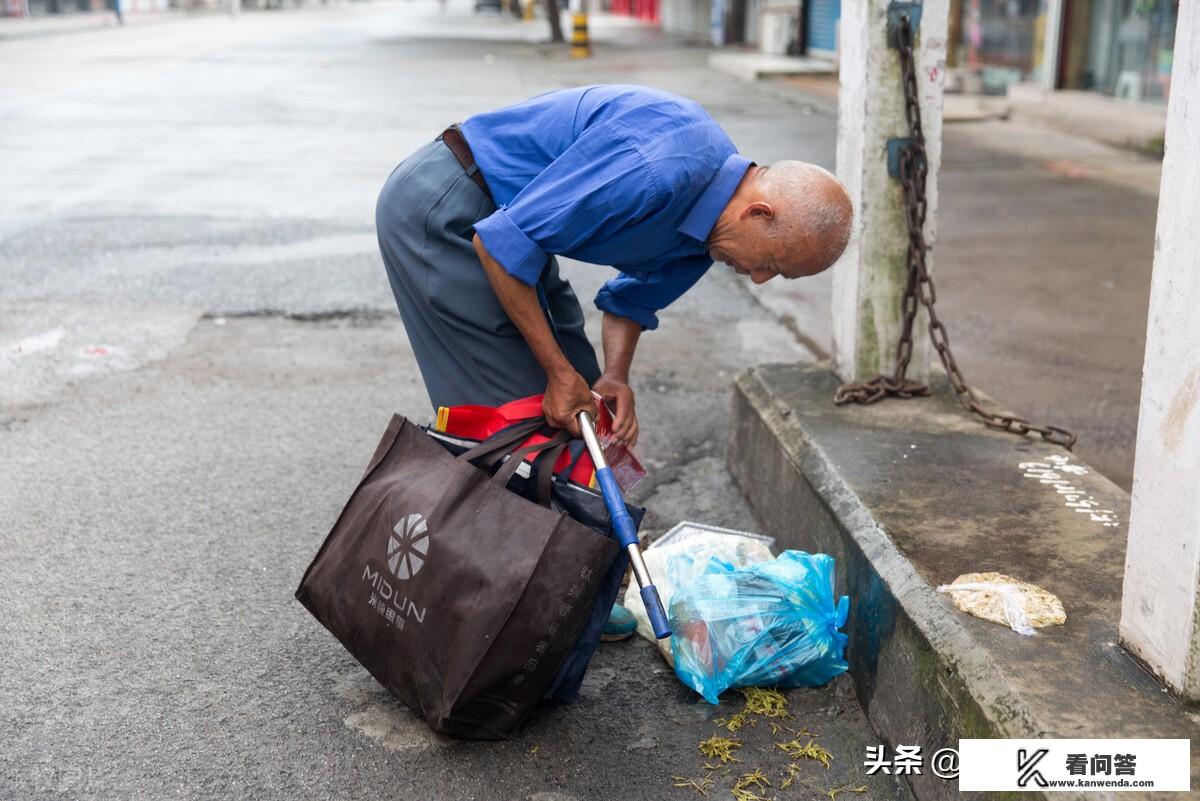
(868, 282)
(1160, 608)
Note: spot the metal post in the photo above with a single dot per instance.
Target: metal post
(868, 282)
(581, 47)
(1160, 608)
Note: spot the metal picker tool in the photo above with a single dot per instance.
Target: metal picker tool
(624, 528)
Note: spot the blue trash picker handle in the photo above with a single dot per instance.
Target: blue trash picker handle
(624, 528)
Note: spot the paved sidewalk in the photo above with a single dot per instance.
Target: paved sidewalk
(1042, 264)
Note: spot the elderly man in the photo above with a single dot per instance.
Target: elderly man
(644, 181)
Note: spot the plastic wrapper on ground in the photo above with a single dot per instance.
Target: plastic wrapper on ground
(682, 554)
(1022, 606)
(772, 624)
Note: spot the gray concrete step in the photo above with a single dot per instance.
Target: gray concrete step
(909, 495)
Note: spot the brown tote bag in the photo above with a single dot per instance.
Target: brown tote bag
(459, 596)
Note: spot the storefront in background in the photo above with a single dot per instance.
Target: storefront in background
(692, 18)
(821, 19)
(1121, 48)
(719, 22)
(779, 27)
(640, 9)
(1002, 41)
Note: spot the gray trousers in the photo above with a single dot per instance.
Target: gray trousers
(466, 347)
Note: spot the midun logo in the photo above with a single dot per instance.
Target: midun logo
(408, 546)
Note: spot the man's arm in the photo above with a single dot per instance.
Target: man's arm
(567, 393)
(620, 337)
(629, 303)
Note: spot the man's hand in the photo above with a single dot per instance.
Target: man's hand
(567, 394)
(620, 336)
(625, 424)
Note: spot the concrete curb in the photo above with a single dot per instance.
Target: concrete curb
(927, 674)
(897, 628)
(751, 67)
(1135, 126)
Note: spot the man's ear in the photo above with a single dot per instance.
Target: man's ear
(758, 208)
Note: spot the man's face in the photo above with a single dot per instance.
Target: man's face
(750, 251)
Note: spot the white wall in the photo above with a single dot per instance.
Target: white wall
(1161, 601)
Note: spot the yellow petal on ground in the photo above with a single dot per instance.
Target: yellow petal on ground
(721, 748)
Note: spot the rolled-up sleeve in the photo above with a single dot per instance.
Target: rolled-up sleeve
(509, 245)
(639, 297)
(571, 202)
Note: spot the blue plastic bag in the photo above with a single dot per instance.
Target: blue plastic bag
(772, 624)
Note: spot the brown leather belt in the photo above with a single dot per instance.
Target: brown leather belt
(454, 140)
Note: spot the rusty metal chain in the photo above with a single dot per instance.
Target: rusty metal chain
(919, 289)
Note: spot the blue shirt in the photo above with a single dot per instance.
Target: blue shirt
(625, 176)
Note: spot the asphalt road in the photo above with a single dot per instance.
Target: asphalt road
(198, 350)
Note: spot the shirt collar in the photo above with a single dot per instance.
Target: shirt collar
(703, 216)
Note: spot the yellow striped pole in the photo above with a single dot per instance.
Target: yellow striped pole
(527, 10)
(580, 46)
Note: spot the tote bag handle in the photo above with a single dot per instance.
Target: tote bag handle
(492, 449)
(487, 453)
(509, 468)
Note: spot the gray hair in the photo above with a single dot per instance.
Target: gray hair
(810, 202)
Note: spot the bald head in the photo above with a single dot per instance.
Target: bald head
(791, 219)
(810, 204)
